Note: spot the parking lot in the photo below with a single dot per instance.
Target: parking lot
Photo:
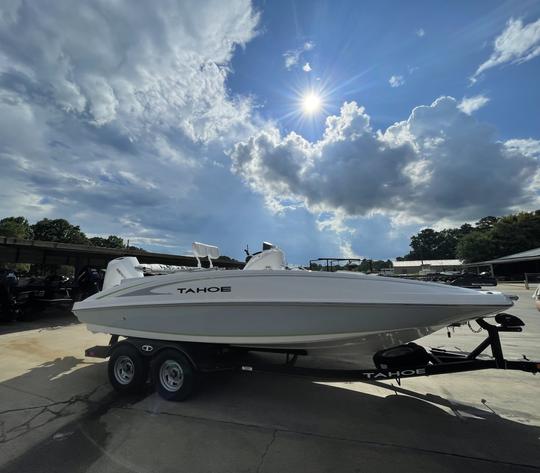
(58, 414)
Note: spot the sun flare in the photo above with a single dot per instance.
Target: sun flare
(311, 103)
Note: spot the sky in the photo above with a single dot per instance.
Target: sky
(328, 128)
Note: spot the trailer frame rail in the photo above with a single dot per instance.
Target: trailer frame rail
(207, 358)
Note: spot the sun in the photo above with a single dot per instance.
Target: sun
(311, 103)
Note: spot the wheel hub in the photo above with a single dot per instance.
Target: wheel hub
(171, 375)
(124, 370)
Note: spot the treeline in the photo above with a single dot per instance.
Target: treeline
(59, 230)
(365, 266)
(489, 238)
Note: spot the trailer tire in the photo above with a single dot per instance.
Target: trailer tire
(127, 369)
(173, 375)
(401, 356)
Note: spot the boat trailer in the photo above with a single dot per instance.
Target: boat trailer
(173, 366)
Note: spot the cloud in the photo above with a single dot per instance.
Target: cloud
(346, 250)
(420, 32)
(528, 147)
(306, 67)
(116, 116)
(113, 113)
(396, 81)
(469, 105)
(516, 44)
(439, 163)
(91, 66)
(292, 56)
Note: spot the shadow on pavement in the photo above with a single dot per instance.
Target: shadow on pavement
(51, 398)
(49, 318)
(275, 412)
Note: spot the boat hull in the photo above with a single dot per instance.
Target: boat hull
(330, 315)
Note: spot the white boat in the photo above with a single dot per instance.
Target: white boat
(342, 315)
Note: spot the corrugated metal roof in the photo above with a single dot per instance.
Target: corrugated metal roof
(528, 255)
(524, 254)
(426, 262)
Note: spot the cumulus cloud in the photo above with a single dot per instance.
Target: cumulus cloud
(396, 81)
(103, 62)
(115, 112)
(469, 105)
(306, 67)
(420, 32)
(439, 163)
(528, 147)
(292, 56)
(516, 44)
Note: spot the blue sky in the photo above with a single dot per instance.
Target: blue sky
(359, 46)
(169, 122)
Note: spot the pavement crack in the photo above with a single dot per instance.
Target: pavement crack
(28, 425)
(266, 450)
(373, 443)
(7, 386)
(77, 397)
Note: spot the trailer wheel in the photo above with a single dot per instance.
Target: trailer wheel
(127, 369)
(401, 356)
(174, 375)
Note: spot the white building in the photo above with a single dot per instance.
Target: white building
(427, 266)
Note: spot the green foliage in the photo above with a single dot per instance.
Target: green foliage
(365, 266)
(508, 235)
(59, 230)
(98, 241)
(373, 266)
(112, 241)
(476, 246)
(430, 244)
(489, 238)
(17, 227)
(486, 223)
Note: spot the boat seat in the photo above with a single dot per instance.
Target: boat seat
(202, 250)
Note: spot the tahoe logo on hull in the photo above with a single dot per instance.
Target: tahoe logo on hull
(197, 290)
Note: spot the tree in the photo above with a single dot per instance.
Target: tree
(368, 265)
(112, 241)
(466, 228)
(508, 235)
(59, 230)
(486, 223)
(115, 242)
(491, 237)
(425, 245)
(476, 246)
(98, 241)
(17, 227)
(131, 247)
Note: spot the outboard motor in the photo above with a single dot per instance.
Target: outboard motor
(118, 269)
